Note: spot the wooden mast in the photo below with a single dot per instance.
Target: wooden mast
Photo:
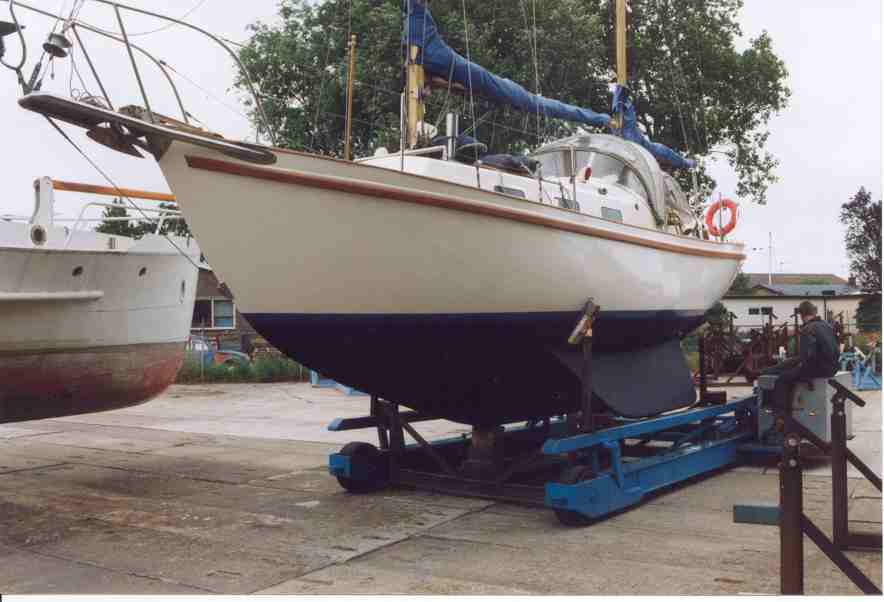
(414, 90)
(621, 41)
(620, 38)
(350, 76)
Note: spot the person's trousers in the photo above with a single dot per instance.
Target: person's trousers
(788, 373)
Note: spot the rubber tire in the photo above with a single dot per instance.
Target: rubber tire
(369, 454)
(570, 476)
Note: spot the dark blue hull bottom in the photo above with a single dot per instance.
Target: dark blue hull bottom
(479, 369)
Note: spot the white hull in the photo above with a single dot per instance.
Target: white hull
(92, 323)
(316, 250)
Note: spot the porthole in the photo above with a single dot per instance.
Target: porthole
(78, 271)
(142, 271)
(38, 235)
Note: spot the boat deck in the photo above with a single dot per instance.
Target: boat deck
(224, 489)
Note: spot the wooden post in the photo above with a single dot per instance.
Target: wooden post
(620, 38)
(414, 96)
(791, 505)
(621, 41)
(840, 529)
(350, 77)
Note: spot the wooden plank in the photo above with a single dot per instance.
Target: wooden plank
(110, 191)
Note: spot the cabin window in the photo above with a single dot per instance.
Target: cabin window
(510, 191)
(612, 214)
(629, 178)
(555, 164)
(216, 314)
(613, 170)
(766, 311)
(754, 311)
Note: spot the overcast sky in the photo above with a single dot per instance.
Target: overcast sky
(828, 140)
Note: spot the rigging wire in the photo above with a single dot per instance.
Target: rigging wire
(403, 98)
(322, 85)
(115, 187)
(209, 94)
(470, 73)
(532, 42)
(684, 84)
(192, 10)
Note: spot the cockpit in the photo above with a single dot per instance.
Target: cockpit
(583, 164)
(612, 160)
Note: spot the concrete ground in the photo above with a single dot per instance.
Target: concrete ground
(223, 489)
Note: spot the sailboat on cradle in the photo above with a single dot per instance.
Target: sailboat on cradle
(443, 283)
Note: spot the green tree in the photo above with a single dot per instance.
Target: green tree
(719, 315)
(740, 285)
(862, 217)
(868, 314)
(136, 228)
(694, 91)
(113, 224)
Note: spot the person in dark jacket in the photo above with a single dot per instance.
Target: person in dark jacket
(818, 358)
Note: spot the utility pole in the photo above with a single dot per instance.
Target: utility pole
(770, 258)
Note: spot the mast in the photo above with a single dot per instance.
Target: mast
(620, 17)
(620, 37)
(350, 75)
(414, 87)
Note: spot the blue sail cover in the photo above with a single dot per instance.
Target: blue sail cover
(439, 59)
(631, 132)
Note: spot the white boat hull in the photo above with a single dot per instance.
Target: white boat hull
(84, 329)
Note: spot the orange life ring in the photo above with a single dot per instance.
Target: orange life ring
(713, 210)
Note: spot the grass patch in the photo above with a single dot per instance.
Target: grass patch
(265, 369)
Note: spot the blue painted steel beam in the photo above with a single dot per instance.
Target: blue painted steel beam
(618, 489)
(643, 427)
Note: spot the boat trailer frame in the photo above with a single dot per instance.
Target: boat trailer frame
(620, 464)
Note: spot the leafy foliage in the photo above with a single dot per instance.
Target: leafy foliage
(262, 369)
(740, 285)
(136, 228)
(863, 239)
(695, 92)
(868, 314)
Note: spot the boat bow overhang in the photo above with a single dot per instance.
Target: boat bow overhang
(156, 136)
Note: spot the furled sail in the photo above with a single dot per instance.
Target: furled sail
(631, 132)
(439, 59)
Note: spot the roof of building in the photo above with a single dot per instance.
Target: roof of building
(801, 290)
(803, 279)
